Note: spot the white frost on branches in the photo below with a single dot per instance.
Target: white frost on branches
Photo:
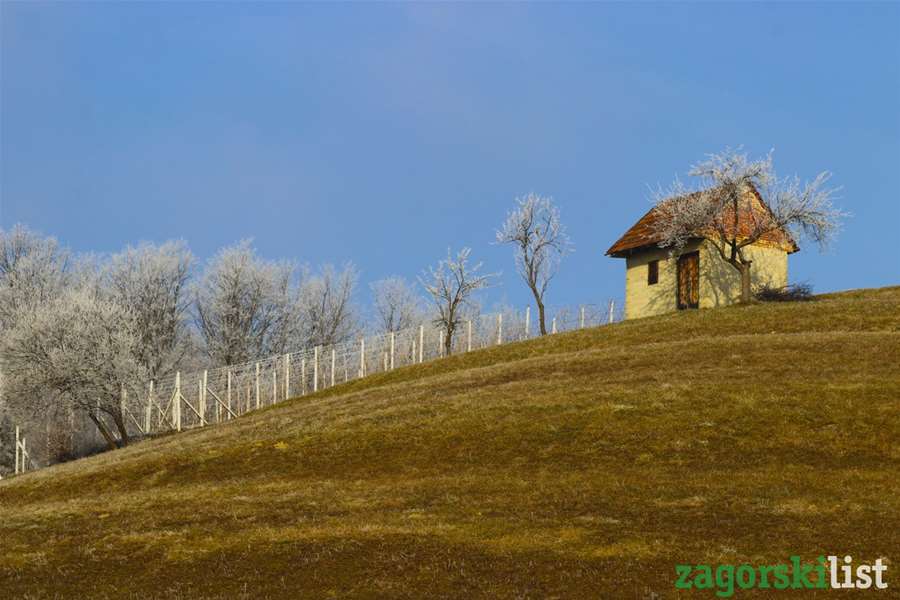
(725, 210)
(245, 306)
(76, 350)
(152, 281)
(536, 231)
(396, 304)
(33, 269)
(450, 285)
(326, 310)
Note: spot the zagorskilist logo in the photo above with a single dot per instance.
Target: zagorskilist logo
(831, 572)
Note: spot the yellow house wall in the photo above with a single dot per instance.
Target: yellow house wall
(720, 283)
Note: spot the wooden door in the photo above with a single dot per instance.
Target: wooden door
(689, 280)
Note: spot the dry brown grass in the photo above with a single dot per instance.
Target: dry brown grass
(581, 465)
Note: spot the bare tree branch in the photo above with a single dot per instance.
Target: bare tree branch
(396, 303)
(33, 269)
(326, 309)
(450, 285)
(739, 203)
(535, 230)
(77, 349)
(246, 307)
(153, 282)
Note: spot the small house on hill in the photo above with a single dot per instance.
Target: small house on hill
(698, 277)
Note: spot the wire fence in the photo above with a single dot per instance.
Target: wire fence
(200, 398)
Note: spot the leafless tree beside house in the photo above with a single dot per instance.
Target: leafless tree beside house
(536, 232)
(738, 203)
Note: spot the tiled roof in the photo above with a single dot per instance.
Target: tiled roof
(641, 234)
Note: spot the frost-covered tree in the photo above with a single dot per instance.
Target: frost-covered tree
(246, 307)
(450, 286)
(326, 309)
(738, 203)
(152, 281)
(536, 232)
(33, 269)
(75, 351)
(396, 304)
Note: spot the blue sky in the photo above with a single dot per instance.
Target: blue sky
(384, 133)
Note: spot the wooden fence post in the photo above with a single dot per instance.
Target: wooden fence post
(205, 393)
(316, 369)
(275, 382)
(441, 344)
(18, 450)
(612, 308)
(257, 385)
(392, 351)
(421, 342)
(148, 417)
(500, 328)
(553, 329)
(527, 321)
(177, 407)
(362, 357)
(303, 376)
(582, 317)
(228, 393)
(469, 336)
(287, 376)
(333, 353)
(217, 404)
(202, 399)
(24, 456)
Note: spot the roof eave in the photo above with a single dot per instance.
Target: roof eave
(626, 252)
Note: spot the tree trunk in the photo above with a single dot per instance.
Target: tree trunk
(746, 294)
(104, 430)
(448, 340)
(119, 420)
(540, 306)
(542, 318)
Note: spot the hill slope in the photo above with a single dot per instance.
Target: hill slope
(580, 465)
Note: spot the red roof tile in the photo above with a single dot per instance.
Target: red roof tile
(642, 234)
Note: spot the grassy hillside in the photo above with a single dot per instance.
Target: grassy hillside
(581, 465)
